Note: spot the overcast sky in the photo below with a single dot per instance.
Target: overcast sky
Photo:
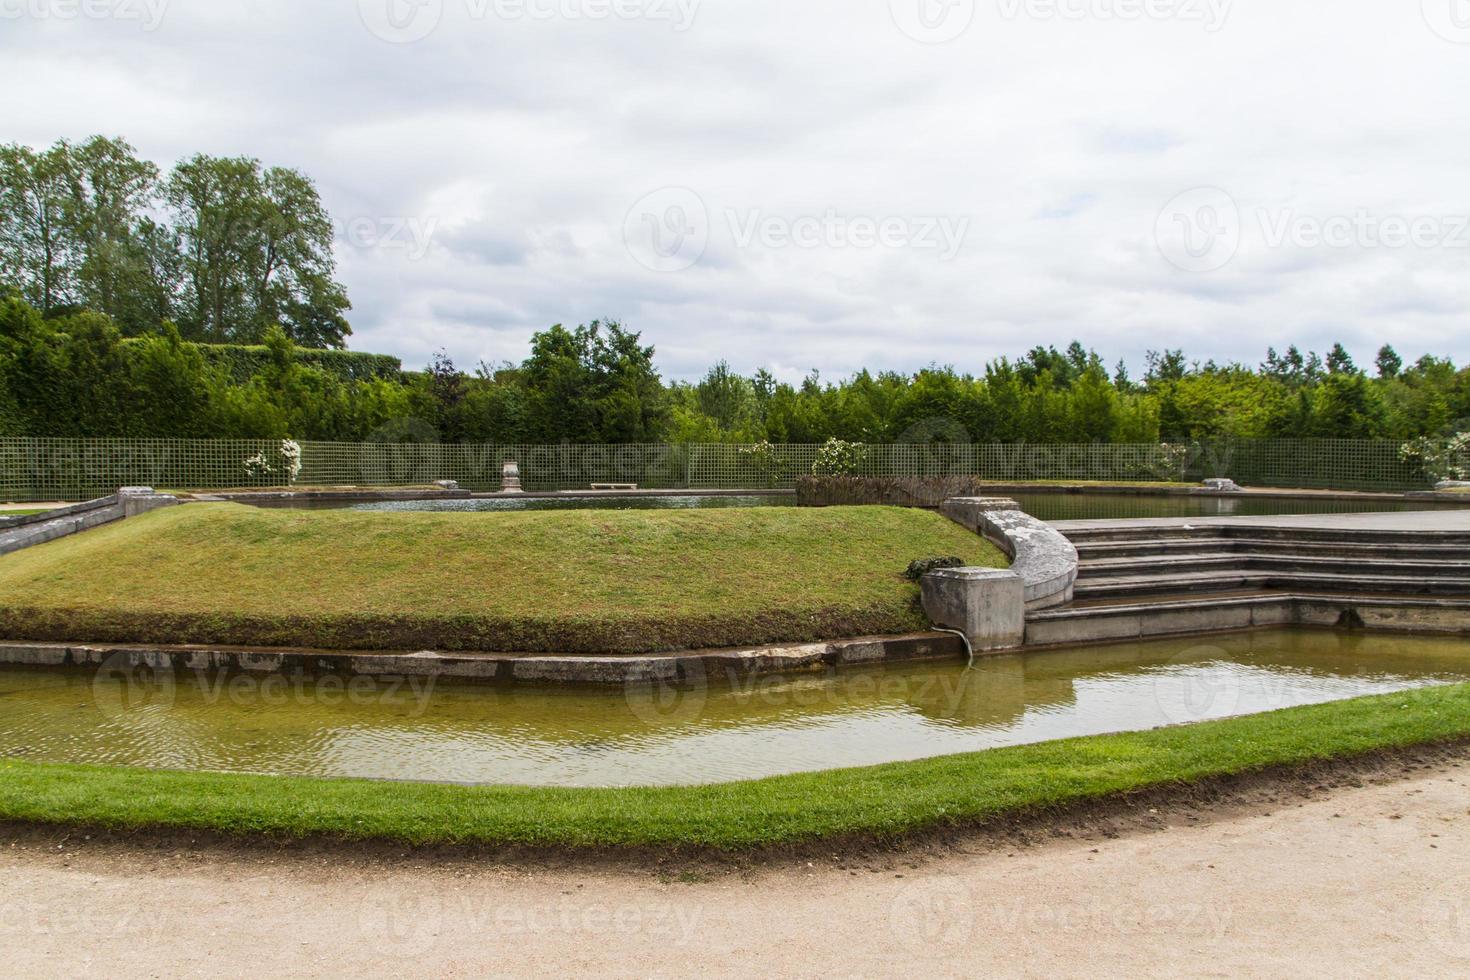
(821, 183)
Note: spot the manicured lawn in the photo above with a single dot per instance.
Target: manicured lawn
(883, 802)
(21, 513)
(571, 581)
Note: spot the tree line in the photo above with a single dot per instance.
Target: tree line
(222, 247)
(78, 373)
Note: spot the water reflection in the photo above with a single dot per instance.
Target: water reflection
(419, 728)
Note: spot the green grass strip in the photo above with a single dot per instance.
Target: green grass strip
(881, 802)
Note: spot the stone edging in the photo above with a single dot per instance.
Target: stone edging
(692, 667)
(1043, 557)
(1206, 615)
(37, 529)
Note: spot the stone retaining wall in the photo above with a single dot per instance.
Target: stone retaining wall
(25, 532)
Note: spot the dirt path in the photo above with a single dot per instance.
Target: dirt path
(1372, 879)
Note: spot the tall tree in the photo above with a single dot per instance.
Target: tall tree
(110, 190)
(36, 251)
(257, 250)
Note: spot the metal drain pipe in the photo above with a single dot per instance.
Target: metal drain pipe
(963, 639)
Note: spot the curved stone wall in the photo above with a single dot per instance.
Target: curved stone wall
(1040, 554)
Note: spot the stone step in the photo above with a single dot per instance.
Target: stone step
(1209, 546)
(1212, 613)
(1177, 564)
(1233, 580)
(1089, 535)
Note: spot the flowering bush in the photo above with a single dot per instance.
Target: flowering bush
(766, 460)
(258, 467)
(1173, 458)
(1441, 459)
(839, 458)
(291, 460)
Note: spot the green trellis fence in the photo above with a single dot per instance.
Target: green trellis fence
(76, 469)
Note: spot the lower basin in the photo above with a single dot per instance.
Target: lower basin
(420, 729)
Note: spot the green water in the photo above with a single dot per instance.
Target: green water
(1117, 506)
(419, 729)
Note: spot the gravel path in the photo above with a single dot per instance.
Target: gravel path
(1369, 878)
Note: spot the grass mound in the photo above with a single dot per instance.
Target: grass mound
(583, 581)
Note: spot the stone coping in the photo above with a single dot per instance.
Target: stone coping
(364, 496)
(1202, 617)
(1205, 615)
(25, 532)
(693, 666)
(57, 513)
(1043, 557)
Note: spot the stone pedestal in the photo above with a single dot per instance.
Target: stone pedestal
(988, 605)
(140, 500)
(510, 478)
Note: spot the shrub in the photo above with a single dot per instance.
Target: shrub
(920, 567)
(1441, 459)
(887, 491)
(765, 459)
(839, 458)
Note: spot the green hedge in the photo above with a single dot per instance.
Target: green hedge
(244, 362)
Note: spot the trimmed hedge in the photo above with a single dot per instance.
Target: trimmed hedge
(243, 362)
(887, 491)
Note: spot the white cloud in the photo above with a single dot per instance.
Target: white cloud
(518, 145)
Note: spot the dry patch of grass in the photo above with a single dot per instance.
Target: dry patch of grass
(581, 581)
